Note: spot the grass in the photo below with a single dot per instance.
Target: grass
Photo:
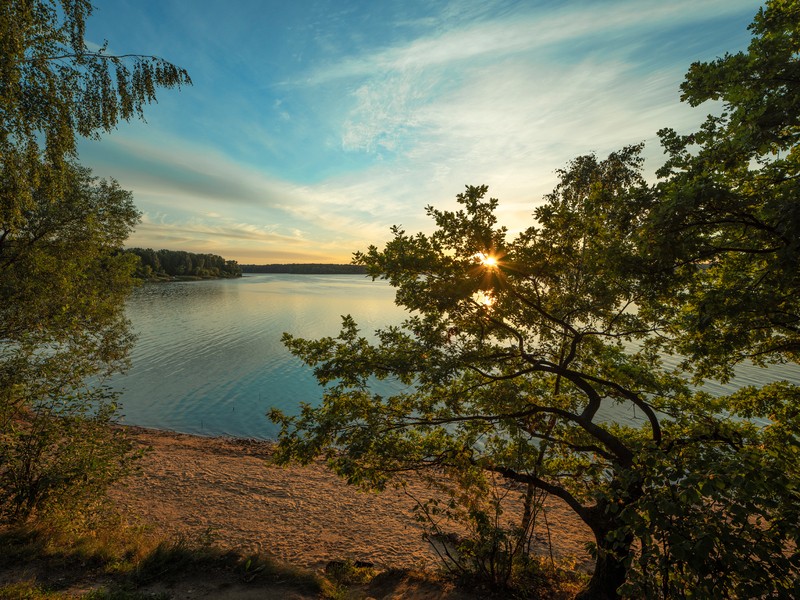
(50, 561)
(30, 591)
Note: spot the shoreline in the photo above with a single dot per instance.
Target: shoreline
(227, 491)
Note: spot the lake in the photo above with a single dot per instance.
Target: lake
(209, 360)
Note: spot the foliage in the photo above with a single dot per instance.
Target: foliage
(728, 203)
(719, 517)
(517, 387)
(495, 548)
(509, 363)
(63, 451)
(63, 282)
(347, 572)
(54, 88)
(177, 263)
(171, 558)
(61, 321)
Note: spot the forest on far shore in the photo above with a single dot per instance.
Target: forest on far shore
(180, 264)
(168, 264)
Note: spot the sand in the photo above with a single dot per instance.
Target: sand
(227, 490)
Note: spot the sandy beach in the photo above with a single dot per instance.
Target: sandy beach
(228, 491)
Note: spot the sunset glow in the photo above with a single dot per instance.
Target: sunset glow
(484, 299)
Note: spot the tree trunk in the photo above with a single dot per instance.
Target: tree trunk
(610, 570)
(609, 574)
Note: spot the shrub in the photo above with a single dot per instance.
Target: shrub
(61, 455)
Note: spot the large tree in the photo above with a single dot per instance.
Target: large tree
(63, 280)
(526, 357)
(522, 354)
(514, 352)
(723, 235)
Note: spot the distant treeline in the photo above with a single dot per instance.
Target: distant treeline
(167, 264)
(306, 269)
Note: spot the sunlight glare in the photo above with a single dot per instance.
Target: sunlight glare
(487, 260)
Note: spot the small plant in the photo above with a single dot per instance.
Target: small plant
(494, 549)
(27, 590)
(347, 572)
(174, 557)
(341, 574)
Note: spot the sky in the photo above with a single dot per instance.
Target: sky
(313, 126)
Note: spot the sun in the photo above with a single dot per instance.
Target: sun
(487, 260)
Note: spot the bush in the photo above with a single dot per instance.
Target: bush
(60, 455)
(720, 510)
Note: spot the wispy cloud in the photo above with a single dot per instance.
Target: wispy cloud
(200, 200)
(529, 31)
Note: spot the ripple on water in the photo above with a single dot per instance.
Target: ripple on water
(209, 359)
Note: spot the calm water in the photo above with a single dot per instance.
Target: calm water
(209, 358)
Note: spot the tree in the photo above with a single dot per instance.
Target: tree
(723, 236)
(171, 263)
(518, 351)
(517, 355)
(64, 283)
(514, 347)
(63, 279)
(53, 88)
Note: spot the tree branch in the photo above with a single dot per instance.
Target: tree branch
(535, 481)
(79, 55)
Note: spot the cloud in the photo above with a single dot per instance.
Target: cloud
(509, 92)
(366, 136)
(226, 236)
(195, 199)
(174, 167)
(508, 101)
(510, 126)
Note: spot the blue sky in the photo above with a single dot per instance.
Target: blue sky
(314, 125)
